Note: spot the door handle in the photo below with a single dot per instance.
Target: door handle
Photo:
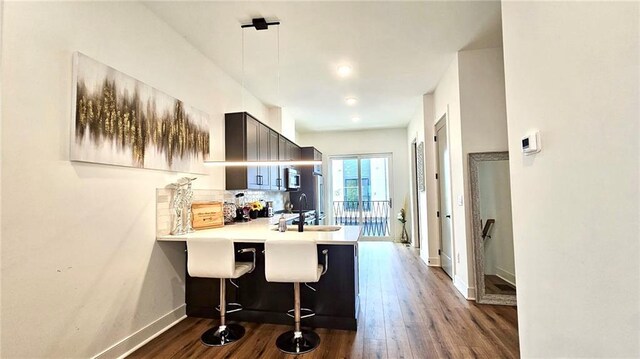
(448, 216)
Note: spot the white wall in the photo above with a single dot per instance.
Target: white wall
(495, 203)
(415, 132)
(576, 204)
(1, 119)
(447, 102)
(433, 230)
(484, 120)
(274, 118)
(389, 140)
(288, 125)
(81, 269)
(471, 94)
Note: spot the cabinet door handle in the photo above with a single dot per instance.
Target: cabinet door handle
(259, 179)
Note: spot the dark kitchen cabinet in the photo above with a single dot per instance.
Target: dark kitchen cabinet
(288, 151)
(275, 178)
(247, 139)
(252, 150)
(282, 156)
(293, 151)
(311, 153)
(264, 172)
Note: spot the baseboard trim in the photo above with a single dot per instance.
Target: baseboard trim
(506, 276)
(433, 262)
(469, 293)
(136, 340)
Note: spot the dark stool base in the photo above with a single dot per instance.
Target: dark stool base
(290, 345)
(215, 337)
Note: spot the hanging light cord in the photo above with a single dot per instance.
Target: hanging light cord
(278, 90)
(242, 80)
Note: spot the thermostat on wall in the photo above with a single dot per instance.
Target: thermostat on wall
(531, 143)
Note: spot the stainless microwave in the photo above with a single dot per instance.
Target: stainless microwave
(292, 179)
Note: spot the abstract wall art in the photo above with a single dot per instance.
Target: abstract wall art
(119, 120)
(420, 167)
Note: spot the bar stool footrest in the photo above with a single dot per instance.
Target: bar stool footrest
(310, 313)
(235, 307)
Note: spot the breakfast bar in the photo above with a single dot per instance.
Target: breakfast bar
(334, 299)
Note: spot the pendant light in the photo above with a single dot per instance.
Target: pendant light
(261, 24)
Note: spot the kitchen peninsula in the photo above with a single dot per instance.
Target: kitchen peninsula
(335, 301)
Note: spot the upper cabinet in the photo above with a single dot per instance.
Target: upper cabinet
(312, 153)
(247, 139)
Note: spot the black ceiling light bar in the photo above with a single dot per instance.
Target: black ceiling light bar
(260, 23)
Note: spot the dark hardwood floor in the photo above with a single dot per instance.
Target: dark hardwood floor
(408, 310)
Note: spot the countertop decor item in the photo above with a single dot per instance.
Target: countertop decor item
(178, 206)
(252, 209)
(119, 120)
(208, 215)
(230, 212)
(182, 198)
(402, 217)
(188, 200)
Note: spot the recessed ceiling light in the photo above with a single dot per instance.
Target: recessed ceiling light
(344, 70)
(351, 101)
(355, 119)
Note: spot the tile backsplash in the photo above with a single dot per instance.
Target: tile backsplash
(164, 196)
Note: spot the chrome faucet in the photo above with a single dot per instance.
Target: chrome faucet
(301, 219)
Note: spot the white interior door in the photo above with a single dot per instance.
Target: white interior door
(361, 193)
(444, 188)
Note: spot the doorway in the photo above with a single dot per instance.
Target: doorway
(361, 193)
(444, 195)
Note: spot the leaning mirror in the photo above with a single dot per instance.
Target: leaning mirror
(492, 228)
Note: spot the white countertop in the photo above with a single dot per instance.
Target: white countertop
(259, 230)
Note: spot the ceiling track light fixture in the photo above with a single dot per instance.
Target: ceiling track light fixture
(260, 23)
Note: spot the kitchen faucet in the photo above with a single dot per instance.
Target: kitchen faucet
(301, 219)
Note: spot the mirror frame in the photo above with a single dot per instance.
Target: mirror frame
(482, 296)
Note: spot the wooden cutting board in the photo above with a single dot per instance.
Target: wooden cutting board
(207, 215)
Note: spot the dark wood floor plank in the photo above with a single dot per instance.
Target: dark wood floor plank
(408, 310)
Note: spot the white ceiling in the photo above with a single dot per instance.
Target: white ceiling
(398, 51)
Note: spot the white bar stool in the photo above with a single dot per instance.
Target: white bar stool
(215, 258)
(294, 261)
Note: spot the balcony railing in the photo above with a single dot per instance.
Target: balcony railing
(374, 214)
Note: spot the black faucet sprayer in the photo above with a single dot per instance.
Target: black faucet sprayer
(301, 219)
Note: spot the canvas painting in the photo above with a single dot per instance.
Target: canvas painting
(420, 167)
(119, 120)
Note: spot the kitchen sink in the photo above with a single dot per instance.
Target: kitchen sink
(312, 228)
